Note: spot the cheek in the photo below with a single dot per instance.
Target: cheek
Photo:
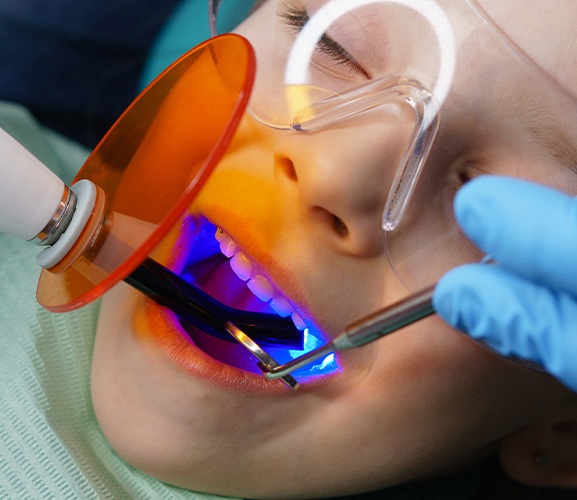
(426, 398)
(147, 407)
(452, 387)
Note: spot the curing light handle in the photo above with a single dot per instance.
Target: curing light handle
(30, 194)
(35, 205)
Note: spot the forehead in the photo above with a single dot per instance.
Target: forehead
(385, 31)
(530, 25)
(527, 23)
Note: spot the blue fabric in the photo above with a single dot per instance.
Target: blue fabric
(187, 27)
(526, 305)
(76, 64)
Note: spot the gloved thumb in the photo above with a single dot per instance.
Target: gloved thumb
(527, 228)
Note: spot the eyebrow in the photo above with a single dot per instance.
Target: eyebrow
(548, 132)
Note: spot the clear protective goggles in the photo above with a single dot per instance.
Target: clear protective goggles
(450, 97)
(409, 69)
(466, 98)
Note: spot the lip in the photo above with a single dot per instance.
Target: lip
(174, 341)
(176, 344)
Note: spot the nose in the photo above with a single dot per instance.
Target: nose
(342, 176)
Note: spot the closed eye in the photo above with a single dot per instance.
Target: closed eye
(295, 19)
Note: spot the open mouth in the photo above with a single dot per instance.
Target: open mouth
(216, 265)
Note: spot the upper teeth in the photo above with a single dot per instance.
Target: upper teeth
(256, 282)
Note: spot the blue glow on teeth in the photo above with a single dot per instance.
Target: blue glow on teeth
(265, 291)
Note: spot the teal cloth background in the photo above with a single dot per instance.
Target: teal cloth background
(187, 27)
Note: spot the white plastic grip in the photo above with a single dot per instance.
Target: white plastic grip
(30, 193)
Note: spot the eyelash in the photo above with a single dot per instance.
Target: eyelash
(295, 19)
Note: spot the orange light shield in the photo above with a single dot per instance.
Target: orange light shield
(150, 165)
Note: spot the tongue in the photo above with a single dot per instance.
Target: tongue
(210, 270)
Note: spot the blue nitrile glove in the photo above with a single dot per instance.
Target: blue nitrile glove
(526, 305)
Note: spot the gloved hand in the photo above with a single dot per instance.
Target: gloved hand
(525, 306)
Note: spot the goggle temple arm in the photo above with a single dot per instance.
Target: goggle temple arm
(213, 6)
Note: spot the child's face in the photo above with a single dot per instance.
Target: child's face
(305, 209)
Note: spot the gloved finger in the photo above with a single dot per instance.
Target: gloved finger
(512, 315)
(526, 227)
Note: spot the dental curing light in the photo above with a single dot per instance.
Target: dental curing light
(133, 189)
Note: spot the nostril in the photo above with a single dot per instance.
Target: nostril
(331, 221)
(287, 166)
(340, 227)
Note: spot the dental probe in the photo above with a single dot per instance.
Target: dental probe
(364, 331)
